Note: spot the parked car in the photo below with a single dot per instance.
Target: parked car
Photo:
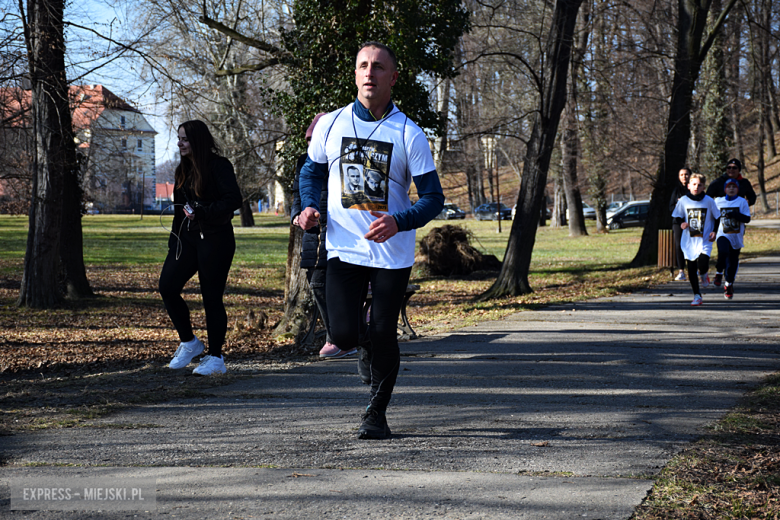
(587, 212)
(451, 211)
(492, 210)
(614, 206)
(632, 214)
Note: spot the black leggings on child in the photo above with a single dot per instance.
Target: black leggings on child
(700, 265)
(728, 259)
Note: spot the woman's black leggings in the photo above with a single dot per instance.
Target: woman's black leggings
(678, 252)
(345, 288)
(728, 259)
(210, 257)
(700, 265)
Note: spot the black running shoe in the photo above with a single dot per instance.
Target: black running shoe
(374, 425)
(364, 364)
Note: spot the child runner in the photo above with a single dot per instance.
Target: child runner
(734, 214)
(697, 215)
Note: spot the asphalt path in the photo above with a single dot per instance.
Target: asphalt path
(567, 412)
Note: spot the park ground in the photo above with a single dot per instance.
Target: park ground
(64, 367)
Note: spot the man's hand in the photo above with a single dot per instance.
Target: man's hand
(712, 236)
(308, 218)
(382, 228)
(683, 225)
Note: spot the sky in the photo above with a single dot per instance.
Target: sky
(122, 77)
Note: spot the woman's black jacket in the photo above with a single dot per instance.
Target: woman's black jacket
(214, 207)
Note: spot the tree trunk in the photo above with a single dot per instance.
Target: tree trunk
(513, 278)
(570, 144)
(559, 204)
(247, 219)
(761, 164)
(691, 51)
(569, 169)
(443, 108)
(298, 300)
(46, 55)
(71, 238)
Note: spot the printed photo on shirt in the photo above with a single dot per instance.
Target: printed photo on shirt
(365, 167)
(352, 177)
(730, 225)
(375, 186)
(696, 219)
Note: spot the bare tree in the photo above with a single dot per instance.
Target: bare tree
(54, 150)
(692, 47)
(551, 84)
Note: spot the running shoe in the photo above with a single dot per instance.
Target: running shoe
(210, 365)
(680, 276)
(329, 350)
(186, 352)
(374, 425)
(718, 279)
(705, 280)
(728, 293)
(696, 300)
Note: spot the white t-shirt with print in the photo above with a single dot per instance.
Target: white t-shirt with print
(370, 167)
(732, 229)
(700, 216)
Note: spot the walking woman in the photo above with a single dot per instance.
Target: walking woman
(202, 241)
(683, 176)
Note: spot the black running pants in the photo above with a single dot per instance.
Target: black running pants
(700, 265)
(728, 259)
(345, 290)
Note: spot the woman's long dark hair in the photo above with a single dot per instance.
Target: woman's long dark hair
(195, 166)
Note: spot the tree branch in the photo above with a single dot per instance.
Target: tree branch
(248, 68)
(252, 42)
(715, 28)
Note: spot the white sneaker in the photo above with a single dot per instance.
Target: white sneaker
(210, 365)
(705, 280)
(680, 276)
(186, 352)
(696, 300)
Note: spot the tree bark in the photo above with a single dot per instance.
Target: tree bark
(691, 51)
(298, 300)
(43, 27)
(569, 147)
(247, 219)
(74, 272)
(513, 278)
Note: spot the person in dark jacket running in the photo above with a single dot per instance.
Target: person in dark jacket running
(205, 196)
(314, 254)
(733, 171)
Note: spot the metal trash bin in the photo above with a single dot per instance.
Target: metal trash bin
(665, 248)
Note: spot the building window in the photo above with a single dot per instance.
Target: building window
(124, 145)
(122, 122)
(140, 145)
